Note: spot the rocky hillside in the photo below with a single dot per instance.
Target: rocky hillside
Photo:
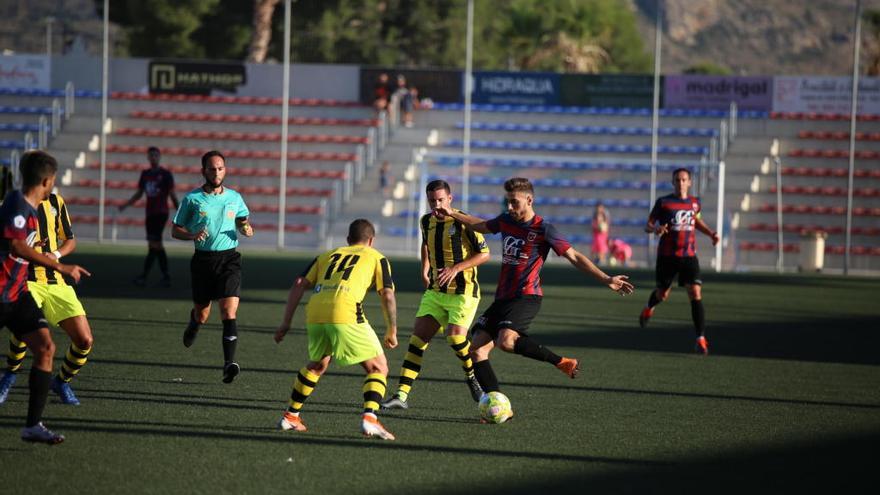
(755, 37)
(746, 36)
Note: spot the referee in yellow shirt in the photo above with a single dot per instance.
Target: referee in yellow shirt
(337, 326)
(57, 299)
(451, 253)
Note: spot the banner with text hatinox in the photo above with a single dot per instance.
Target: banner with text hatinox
(516, 88)
(811, 94)
(717, 92)
(25, 71)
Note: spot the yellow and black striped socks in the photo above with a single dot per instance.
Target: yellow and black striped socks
(15, 356)
(74, 360)
(461, 346)
(412, 366)
(374, 390)
(303, 385)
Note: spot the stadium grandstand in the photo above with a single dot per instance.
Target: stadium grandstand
(522, 123)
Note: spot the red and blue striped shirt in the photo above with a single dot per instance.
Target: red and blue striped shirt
(18, 220)
(524, 248)
(680, 215)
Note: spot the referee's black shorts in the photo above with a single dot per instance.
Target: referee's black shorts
(516, 314)
(215, 275)
(687, 269)
(22, 316)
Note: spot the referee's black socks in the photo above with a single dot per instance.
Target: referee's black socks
(230, 339)
(527, 347)
(699, 316)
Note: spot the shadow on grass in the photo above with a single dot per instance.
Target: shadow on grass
(828, 340)
(172, 430)
(525, 385)
(837, 465)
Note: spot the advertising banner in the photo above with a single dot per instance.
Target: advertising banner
(25, 71)
(609, 90)
(717, 92)
(516, 88)
(816, 94)
(194, 77)
(437, 84)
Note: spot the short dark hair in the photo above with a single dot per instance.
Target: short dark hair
(36, 165)
(360, 230)
(436, 185)
(206, 158)
(519, 184)
(682, 169)
(151, 149)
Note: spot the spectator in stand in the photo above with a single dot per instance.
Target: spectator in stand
(409, 102)
(621, 252)
(385, 179)
(382, 91)
(600, 224)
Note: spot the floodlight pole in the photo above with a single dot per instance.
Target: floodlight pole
(655, 121)
(852, 135)
(468, 89)
(104, 88)
(49, 21)
(285, 111)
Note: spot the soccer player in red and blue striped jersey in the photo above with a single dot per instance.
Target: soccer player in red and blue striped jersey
(526, 240)
(676, 219)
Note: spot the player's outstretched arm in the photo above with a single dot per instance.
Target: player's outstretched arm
(446, 274)
(64, 249)
(702, 227)
(426, 266)
(133, 199)
(475, 223)
(20, 248)
(656, 228)
(617, 283)
(389, 310)
(300, 286)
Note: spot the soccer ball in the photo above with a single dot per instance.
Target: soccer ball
(495, 408)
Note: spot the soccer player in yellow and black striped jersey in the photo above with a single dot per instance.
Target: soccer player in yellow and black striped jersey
(451, 253)
(337, 326)
(57, 299)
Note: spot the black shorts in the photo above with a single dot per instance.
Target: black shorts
(22, 316)
(516, 314)
(155, 226)
(688, 270)
(215, 275)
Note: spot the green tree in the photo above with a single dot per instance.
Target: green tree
(162, 28)
(556, 35)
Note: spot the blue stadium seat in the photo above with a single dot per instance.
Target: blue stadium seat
(622, 111)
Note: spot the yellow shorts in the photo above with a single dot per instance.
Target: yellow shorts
(455, 309)
(347, 343)
(58, 302)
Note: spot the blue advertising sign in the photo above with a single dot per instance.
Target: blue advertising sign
(516, 88)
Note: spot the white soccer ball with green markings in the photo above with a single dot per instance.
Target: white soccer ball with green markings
(495, 408)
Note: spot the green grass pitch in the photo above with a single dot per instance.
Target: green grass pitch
(788, 400)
